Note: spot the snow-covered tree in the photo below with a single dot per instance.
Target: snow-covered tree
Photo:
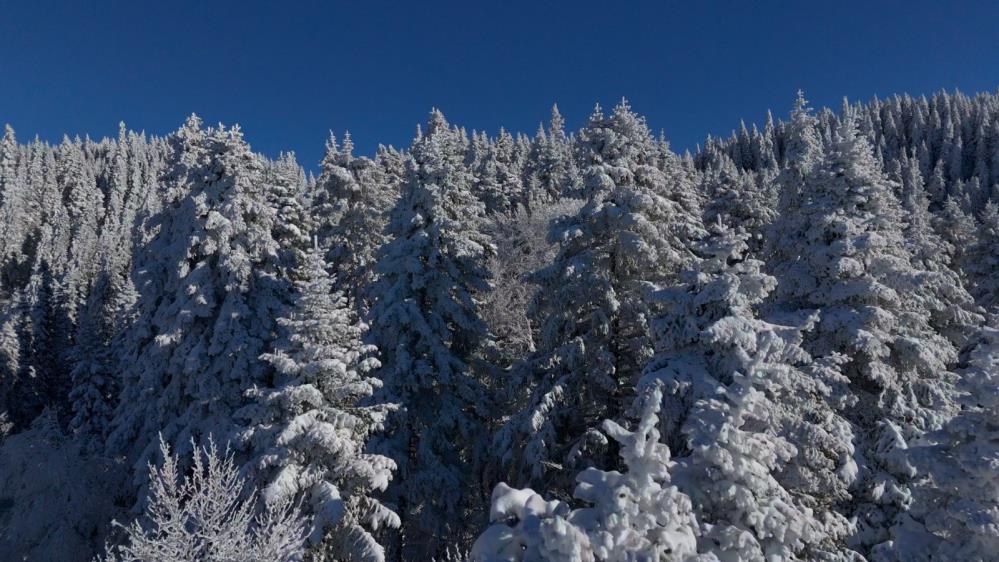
(84, 206)
(426, 324)
(203, 516)
(209, 296)
(637, 514)
(743, 200)
(292, 223)
(630, 516)
(308, 430)
(95, 373)
(44, 333)
(842, 252)
(351, 203)
(958, 230)
(15, 225)
(802, 152)
(10, 356)
(955, 511)
(522, 247)
(983, 263)
(498, 181)
(854, 268)
(552, 171)
(632, 233)
(759, 421)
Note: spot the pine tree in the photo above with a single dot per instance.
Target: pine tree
(956, 228)
(635, 515)
(15, 218)
(84, 206)
(292, 222)
(43, 332)
(955, 511)
(741, 199)
(425, 322)
(94, 373)
(10, 358)
(552, 171)
(727, 371)
(984, 260)
(308, 429)
(874, 307)
(351, 204)
(632, 233)
(209, 294)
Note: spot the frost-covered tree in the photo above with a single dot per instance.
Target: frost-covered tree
(958, 229)
(552, 171)
(351, 203)
(735, 459)
(498, 179)
(209, 296)
(855, 269)
(426, 324)
(842, 253)
(984, 259)
(928, 249)
(204, 515)
(527, 528)
(637, 514)
(522, 247)
(84, 206)
(630, 516)
(308, 430)
(15, 215)
(802, 152)
(10, 356)
(955, 511)
(767, 451)
(292, 223)
(94, 374)
(743, 200)
(632, 233)
(44, 332)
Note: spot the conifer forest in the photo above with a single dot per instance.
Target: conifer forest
(567, 346)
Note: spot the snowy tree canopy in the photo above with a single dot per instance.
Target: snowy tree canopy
(574, 345)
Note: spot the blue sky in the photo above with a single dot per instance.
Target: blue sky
(288, 72)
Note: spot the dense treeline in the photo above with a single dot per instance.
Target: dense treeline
(570, 346)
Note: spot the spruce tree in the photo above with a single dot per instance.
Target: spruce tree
(765, 449)
(632, 233)
(351, 203)
(426, 324)
(307, 429)
(843, 254)
(209, 296)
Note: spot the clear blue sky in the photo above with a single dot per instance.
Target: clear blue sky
(291, 71)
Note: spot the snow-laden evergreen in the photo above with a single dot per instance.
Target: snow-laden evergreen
(757, 420)
(292, 226)
(426, 324)
(209, 296)
(632, 233)
(95, 382)
(352, 198)
(955, 511)
(307, 430)
(634, 515)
